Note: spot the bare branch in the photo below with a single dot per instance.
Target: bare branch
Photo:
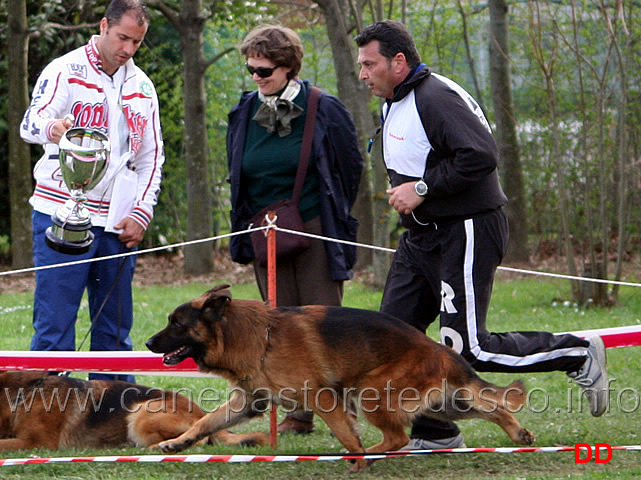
(170, 14)
(217, 57)
(58, 26)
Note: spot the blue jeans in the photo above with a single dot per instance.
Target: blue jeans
(59, 292)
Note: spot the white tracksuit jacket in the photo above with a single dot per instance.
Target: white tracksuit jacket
(75, 84)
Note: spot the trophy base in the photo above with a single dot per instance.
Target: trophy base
(64, 246)
(70, 238)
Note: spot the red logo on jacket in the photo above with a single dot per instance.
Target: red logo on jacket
(137, 124)
(95, 116)
(90, 115)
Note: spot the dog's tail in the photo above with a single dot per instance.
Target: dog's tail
(512, 397)
(515, 395)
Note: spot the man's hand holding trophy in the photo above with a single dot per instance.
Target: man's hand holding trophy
(84, 157)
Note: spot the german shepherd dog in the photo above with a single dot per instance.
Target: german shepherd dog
(38, 410)
(328, 359)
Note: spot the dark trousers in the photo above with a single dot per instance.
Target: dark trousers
(448, 270)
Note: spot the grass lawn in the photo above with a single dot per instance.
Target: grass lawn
(556, 412)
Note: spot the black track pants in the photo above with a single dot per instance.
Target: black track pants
(448, 270)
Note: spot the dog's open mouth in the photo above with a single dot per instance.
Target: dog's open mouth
(175, 357)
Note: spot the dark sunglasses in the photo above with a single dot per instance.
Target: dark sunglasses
(262, 72)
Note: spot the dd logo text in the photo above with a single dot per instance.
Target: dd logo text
(599, 453)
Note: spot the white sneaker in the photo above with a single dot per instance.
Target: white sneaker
(592, 377)
(441, 443)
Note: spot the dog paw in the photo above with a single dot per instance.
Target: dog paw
(360, 464)
(526, 437)
(258, 441)
(169, 446)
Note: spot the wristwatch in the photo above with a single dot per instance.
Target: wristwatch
(421, 188)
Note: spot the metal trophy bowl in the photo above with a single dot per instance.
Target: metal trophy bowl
(84, 157)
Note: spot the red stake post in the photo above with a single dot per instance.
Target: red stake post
(271, 300)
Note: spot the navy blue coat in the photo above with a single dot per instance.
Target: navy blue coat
(339, 164)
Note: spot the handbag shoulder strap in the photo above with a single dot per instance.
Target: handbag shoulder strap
(306, 148)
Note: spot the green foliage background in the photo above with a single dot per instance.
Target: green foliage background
(600, 142)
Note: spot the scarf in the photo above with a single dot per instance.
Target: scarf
(277, 111)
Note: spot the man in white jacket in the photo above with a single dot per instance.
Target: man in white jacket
(98, 86)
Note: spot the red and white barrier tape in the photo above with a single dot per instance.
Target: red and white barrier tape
(615, 337)
(138, 362)
(148, 363)
(199, 458)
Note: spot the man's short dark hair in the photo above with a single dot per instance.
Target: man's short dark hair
(393, 38)
(118, 8)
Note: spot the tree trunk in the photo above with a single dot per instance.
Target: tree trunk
(355, 96)
(383, 213)
(20, 183)
(198, 257)
(470, 58)
(546, 56)
(509, 152)
(624, 165)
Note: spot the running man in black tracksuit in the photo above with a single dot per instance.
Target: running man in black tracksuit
(441, 158)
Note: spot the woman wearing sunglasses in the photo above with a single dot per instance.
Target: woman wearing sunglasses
(264, 138)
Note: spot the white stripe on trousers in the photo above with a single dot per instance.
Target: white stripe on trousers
(470, 317)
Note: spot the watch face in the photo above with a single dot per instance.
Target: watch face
(421, 188)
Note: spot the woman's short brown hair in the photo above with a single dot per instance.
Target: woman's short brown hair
(280, 44)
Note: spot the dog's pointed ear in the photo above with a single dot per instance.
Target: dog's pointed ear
(214, 298)
(221, 290)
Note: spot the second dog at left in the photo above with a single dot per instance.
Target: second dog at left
(38, 410)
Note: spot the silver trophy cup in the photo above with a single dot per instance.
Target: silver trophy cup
(84, 157)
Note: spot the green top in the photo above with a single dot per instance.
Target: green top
(270, 163)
